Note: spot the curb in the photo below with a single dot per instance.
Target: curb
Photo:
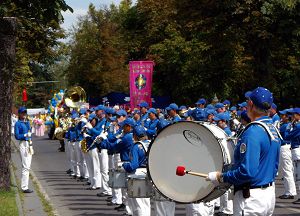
(15, 188)
(37, 182)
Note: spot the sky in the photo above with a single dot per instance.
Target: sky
(80, 8)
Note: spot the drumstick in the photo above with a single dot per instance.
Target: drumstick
(180, 171)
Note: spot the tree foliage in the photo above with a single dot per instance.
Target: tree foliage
(37, 41)
(200, 48)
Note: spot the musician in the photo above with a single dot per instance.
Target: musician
(137, 159)
(220, 107)
(93, 161)
(286, 162)
(81, 158)
(23, 134)
(293, 134)
(73, 148)
(275, 117)
(256, 160)
(222, 122)
(151, 127)
(198, 113)
(143, 113)
(122, 145)
(172, 112)
(103, 155)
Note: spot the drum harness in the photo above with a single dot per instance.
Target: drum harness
(246, 187)
(144, 144)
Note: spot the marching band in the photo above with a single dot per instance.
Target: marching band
(108, 147)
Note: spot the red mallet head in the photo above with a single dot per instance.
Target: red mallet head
(180, 171)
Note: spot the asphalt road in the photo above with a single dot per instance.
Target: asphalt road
(70, 197)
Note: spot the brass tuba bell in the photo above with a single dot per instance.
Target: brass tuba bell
(75, 97)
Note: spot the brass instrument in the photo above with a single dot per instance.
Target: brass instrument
(75, 97)
(83, 145)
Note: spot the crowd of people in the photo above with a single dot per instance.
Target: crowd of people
(105, 138)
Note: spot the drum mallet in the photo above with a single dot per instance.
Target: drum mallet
(180, 171)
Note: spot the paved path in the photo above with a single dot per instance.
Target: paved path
(70, 198)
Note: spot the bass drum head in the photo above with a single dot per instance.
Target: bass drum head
(187, 144)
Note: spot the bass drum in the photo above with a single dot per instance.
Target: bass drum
(200, 147)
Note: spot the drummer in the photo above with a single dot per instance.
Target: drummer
(137, 159)
(256, 160)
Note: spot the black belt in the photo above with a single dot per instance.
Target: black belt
(242, 187)
(283, 144)
(294, 147)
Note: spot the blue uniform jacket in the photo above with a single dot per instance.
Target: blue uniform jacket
(72, 134)
(175, 119)
(137, 158)
(282, 130)
(152, 128)
(199, 114)
(256, 157)
(78, 128)
(21, 128)
(143, 120)
(95, 131)
(227, 131)
(122, 146)
(293, 134)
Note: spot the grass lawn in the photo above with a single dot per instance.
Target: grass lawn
(8, 206)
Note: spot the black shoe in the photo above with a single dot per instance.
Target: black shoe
(222, 214)
(68, 171)
(286, 197)
(297, 201)
(88, 183)
(93, 188)
(122, 207)
(111, 203)
(108, 199)
(103, 195)
(27, 191)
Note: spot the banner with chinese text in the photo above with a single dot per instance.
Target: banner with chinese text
(140, 82)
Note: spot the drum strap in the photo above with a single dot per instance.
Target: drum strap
(266, 127)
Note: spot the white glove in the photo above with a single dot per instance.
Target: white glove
(212, 176)
(103, 135)
(28, 135)
(120, 164)
(84, 120)
(145, 128)
(85, 135)
(31, 151)
(88, 125)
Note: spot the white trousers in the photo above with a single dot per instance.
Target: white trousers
(81, 163)
(68, 154)
(113, 161)
(286, 169)
(261, 202)
(200, 209)
(164, 208)
(226, 204)
(296, 160)
(103, 157)
(75, 167)
(95, 167)
(26, 162)
(141, 206)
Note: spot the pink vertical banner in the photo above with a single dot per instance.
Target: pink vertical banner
(140, 82)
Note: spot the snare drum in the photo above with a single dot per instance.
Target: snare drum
(117, 178)
(200, 147)
(139, 185)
